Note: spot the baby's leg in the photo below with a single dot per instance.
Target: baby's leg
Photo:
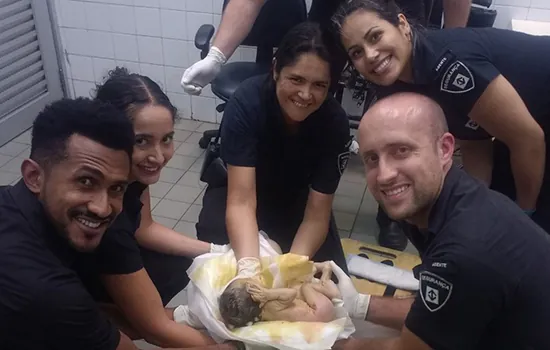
(322, 307)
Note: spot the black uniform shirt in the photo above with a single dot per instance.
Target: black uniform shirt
(43, 304)
(287, 165)
(455, 66)
(118, 253)
(484, 278)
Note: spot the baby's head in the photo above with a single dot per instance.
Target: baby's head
(237, 308)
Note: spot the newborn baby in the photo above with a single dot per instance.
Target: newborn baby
(246, 301)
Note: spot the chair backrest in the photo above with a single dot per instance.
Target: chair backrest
(276, 18)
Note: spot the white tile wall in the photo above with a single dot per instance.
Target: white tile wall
(536, 10)
(155, 37)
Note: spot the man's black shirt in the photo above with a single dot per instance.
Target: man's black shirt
(484, 274)
(43, 304)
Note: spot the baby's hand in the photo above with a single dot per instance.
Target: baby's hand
(324, 268)
(256, 292)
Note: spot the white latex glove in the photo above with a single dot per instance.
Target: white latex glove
(355, 303)
(216, 248)
(203, 72)
(248, 267)
(183, 315)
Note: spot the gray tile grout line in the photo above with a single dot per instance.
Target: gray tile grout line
(358, 211)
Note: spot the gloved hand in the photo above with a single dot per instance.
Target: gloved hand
(355, 303)
(216, 248)
(183, 315)
(203, 72)
(248, 267)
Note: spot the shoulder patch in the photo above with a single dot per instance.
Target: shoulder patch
(343, 161)
(457, 79)
(434, 290)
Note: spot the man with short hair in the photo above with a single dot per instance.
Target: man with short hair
(483, 278)
(71, 190)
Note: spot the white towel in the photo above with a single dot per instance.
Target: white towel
(375, 271)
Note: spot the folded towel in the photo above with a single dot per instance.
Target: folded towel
(378, 272)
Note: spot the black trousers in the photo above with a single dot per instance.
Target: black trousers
(279, 227)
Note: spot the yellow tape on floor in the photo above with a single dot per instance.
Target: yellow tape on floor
(402, 260)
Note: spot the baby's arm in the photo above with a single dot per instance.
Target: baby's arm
(321, 305)
(281, 298)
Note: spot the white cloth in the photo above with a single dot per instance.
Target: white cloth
(210, 274)
(375, 271)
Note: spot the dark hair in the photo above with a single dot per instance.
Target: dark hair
(237, 308)
(385, 9)
(306, 37)
(129, 92)
(98, 121)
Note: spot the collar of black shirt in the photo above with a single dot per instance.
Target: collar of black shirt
(444, 204)
(40, 224)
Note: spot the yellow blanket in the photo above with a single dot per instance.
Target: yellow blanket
(210, 274)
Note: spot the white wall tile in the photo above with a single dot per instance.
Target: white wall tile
(72, 14)
(150, 50)
(173, 4)
(216, 20)
(173, 24)
(102, 66)
(175, 53)
(193, 54)
(173, 79)
(118, 2)
(147, 3)
(195, 20)
(542, 4)
(122, 19)
(505, 14)
(535, 14)
(101, 44)
(182, 102)
(199, 6)
(126, 47)
(96, 17)
(83, 88)
(81, 67)
(148, 21)
(155, 72)
(203, 108)
(217, 6)
(519, 3)
(133, 67)
(76, 41)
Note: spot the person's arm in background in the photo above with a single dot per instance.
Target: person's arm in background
(456, 13)
(334, 148)
(501, 111)
(237, 21)
(160, 238)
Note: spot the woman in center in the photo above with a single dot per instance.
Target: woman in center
(285, 142)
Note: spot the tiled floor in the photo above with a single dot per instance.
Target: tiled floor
(177, 198)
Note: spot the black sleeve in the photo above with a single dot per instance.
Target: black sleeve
(118, 252)
(334, 145)
(72, 320)
(239, 133)
(464, 79)
(458, 298)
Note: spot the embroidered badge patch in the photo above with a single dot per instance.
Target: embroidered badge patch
(343, 161)
(434, 290)
(458, 79)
